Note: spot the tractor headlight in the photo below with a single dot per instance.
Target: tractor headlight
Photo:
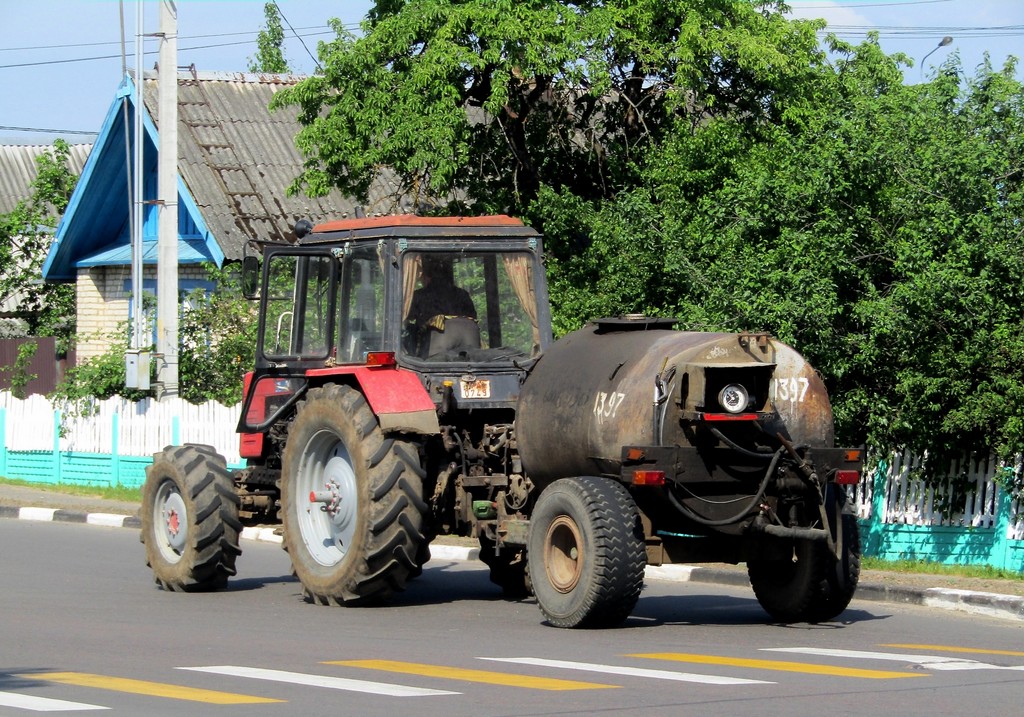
(733, 398)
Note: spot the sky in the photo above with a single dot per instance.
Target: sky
(60, 60)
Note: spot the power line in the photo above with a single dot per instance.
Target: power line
(145, 52)
(47, 131)
(836, 4)
(250, 41)
(322, 29)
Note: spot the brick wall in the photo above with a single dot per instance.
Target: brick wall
(103, 303)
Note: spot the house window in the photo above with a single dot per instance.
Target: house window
(185, 289)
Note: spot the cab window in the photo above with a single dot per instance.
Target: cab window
(461, 306)
(298, 306)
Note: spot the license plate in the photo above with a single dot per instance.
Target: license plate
(475, 388)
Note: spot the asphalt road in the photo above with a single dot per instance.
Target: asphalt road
(84, 624)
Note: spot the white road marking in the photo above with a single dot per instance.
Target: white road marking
(334, 683)
(630, 671)
(43, 704)
(933, 662)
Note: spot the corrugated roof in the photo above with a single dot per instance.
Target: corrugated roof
(18, 169)
(237, 158)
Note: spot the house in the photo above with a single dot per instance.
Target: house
(235, 160)
(18, 169)
(46, 366)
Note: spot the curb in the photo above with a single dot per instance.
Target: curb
(1007, 607)
(58, 515)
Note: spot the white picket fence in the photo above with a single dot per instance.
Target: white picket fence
(115, 425)
(968, 498)
(143, 428)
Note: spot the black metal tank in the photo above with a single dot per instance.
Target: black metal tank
(623, 382)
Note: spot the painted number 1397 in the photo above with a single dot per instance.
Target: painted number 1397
(791, 389)
(606, 404)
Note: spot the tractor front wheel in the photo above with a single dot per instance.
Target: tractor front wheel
(190, 524)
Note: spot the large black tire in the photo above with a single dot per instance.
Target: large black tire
(190, 524)
(842, 574)
(586, 553)
(787, 588)
(814, 586)
(352, 501)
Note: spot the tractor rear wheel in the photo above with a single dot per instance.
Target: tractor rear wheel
(190, 524)
(586, 553)
(352, 501)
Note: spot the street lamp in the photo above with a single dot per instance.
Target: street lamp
(942, 43)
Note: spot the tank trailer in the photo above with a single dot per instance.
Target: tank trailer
(406, 386)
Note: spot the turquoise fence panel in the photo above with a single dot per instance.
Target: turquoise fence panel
(934, 544)
(3, 442)
(34, 466)
(133, 471)
(76, 468)
(86, 469)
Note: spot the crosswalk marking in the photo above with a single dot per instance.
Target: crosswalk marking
(933, 662)
(43, 704)
(457, 673)
(334, 683)
(152, 689)
(950, 648)
(630, 671)
(803, 667)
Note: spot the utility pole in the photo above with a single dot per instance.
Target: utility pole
(137, 357)
(167, 190)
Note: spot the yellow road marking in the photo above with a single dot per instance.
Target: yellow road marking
(152, 689)
(781, 666)
(457, 673)
(948, 648)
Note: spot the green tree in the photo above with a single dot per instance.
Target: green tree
(217, 335)
(488, 101)
(879, 234)
(25, 236)
(269, 55)
(218, 340)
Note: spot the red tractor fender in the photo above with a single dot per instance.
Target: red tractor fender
(396, 396)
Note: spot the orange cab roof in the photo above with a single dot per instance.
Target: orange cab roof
(412, 220)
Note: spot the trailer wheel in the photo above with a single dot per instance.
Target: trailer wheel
(788, 587)
(842, 573)
(586, 553)
(508, 568)
(352, 501)
(813, 586)
(190, 522)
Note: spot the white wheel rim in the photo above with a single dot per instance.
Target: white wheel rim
(170, 521)
(326, 497)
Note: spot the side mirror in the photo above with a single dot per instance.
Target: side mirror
(250, 276)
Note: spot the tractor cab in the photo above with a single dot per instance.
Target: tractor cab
(459, 302)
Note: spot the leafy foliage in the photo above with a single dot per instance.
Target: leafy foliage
(218, 341)
(880, 236)
(702, 159)
(25, 236)
(487, 101)
(269, 55)
(217, 333)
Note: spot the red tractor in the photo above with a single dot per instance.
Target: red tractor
(406, 385)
